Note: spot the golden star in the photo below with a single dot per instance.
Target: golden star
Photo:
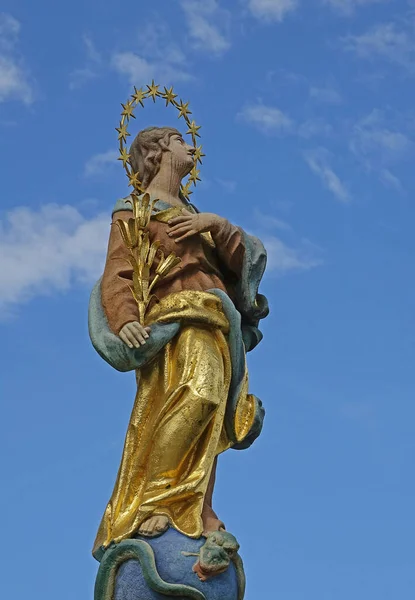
(128, 111)
(134, 181)
(194, 175)
(186, 191)
(153, 90)
(124, 156)
(139, 96)
(183, 109)
(193, 129)
(122, 132)
(198, 155)
(169, 96)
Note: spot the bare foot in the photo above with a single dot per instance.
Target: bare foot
(154, 526)
(210, 520)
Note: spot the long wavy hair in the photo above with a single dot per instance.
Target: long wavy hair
(147, 149)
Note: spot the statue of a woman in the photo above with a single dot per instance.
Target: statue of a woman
(192, 399)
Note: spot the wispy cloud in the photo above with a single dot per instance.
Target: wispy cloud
(388, 41)
(9, 31)
(378, 144)
(271, 120)
(14, 77)
(283, 258)
(319, 162)
(314, 127)
(390, 180)
(158, 43)
(208, 25)
(48, 250)
(268, 119)
(92, 67)
(372, 135)
(269, 222)
(327, 95)
(285, 251)
(99, 163)
(140, 71)
(158, 58)
(229, 185)
(318, 92)
(348, 7)
(272, 10)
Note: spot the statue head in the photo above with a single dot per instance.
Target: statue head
(157, 146)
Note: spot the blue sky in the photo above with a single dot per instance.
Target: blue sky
(308, 127)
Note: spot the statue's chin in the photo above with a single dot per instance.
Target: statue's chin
(189, 167)
(184, 168)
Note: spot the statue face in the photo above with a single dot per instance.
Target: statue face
(182, 154)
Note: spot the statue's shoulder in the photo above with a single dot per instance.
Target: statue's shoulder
(125, 204)
(122, 204)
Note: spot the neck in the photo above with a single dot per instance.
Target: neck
(166, 185)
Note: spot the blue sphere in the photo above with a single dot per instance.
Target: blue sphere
(173, 567)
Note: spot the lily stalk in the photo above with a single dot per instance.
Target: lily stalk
(136, 237)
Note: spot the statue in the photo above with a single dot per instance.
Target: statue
(178, 304)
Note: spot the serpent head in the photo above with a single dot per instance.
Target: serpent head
(216, 554)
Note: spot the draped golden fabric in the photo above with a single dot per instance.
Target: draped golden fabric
(177, 424)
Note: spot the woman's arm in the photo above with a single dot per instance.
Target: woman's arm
(117, 300)
(227, 237)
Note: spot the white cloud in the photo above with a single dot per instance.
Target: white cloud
(208, 25)
(158, 58)
(318, 161)
(268, 119)
(156, 44)
(390, 180)
(229, 185)
(272, 10)
(296, 255)
(14, 79)
(348, 7)
(283, 258)
(91, 51)
(9, 31)
(378, 144)
(137, 69)
(92, 66)
(48, 250)
(99, 163)
(271, 120)
(271, 222)
(141, 71)
(314, 127)
(373, 136)
(387, 41)
(327, 95)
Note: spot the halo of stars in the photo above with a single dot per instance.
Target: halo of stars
(137, 98)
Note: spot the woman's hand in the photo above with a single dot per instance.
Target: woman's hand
(189, 224)
(134, 334)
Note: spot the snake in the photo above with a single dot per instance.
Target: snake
(216, 554)
(141, 551)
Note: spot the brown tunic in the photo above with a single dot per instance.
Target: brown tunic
(203, 266)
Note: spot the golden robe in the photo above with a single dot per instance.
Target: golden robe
(177, 424)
